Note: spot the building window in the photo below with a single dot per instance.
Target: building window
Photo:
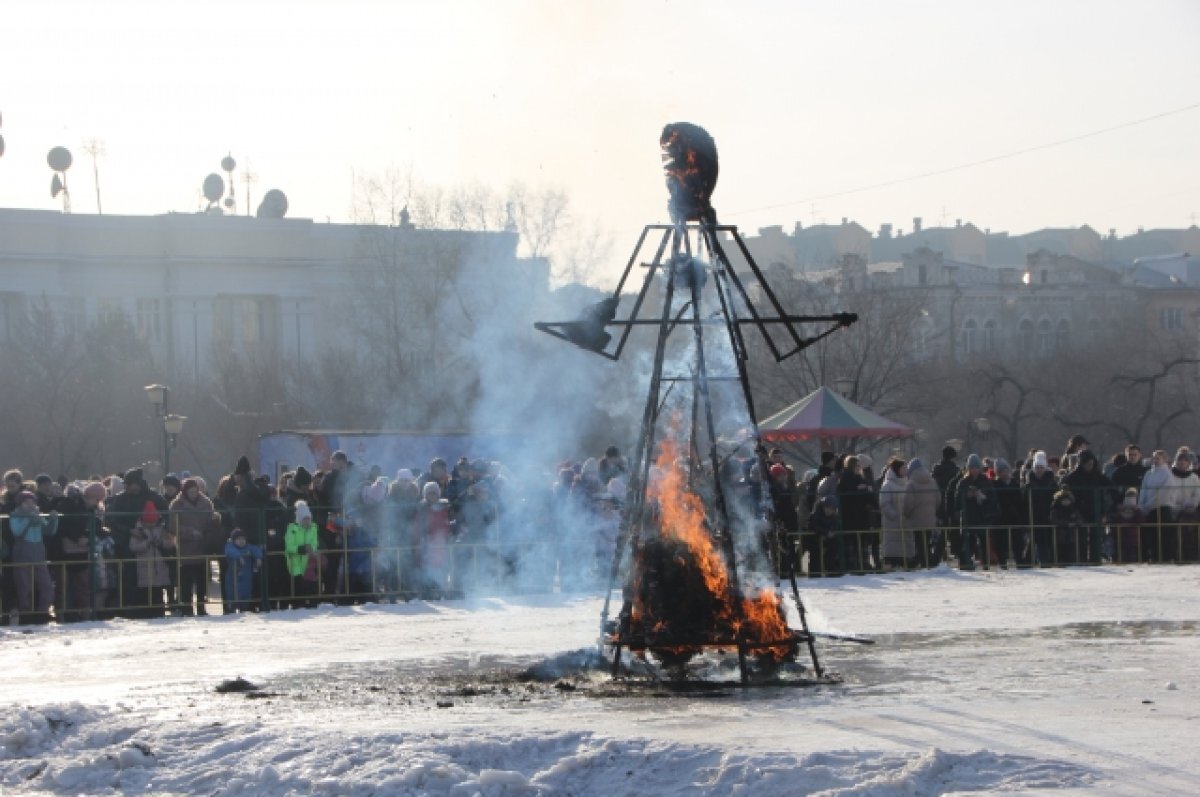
(109, 309)
(1045, 277)
(1062, 334)
(1170, 318)
(970, 336)
(246, 320)
(149, 320)
(922, 274)
(1045, 343)
(1027, 338)
(989, 335)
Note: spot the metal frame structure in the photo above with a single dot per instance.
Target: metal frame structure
(691, 259)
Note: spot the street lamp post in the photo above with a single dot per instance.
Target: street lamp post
(172, 424)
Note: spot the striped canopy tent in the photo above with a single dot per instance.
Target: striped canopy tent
(824, 414)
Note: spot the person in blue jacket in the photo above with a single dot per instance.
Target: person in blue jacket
(244, 562)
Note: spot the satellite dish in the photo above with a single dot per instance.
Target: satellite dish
(59, 159)
(228, 163)
(214, 186)
(56, 186)
(274, 205)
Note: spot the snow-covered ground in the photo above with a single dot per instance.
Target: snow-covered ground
(1080, 681)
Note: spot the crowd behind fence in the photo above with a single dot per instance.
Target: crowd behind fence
(99, 551)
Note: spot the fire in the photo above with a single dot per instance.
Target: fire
(685, 592)
(690, 163)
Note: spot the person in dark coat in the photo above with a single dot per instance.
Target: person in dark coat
(1132, 472)
(121, 514)
(1005, 537)
(855, 499)
(827, 554)
(1093, 496)
(1041, 483)
(976, 502)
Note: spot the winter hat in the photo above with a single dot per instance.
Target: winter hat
(404, 475)
(949, 453)
(42, 478)
(974, 461)
(1039, 460)
(778, 470)
(233, 535)
(135, 476)
(1131, 496)
(189, 484)
(375, 492)
(865, 461)
(431, 491)
(150, 514)
(1002, 464)
(302, 510)
(243, 466)
(914, 465)
(827, 457)
(24, 496)
(203, 485)
(302, 478)
(94, 490)
(172, 480)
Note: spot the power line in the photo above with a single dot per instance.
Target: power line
(972, 164)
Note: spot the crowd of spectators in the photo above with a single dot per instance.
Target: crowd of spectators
(1042, 510)
(118, 547)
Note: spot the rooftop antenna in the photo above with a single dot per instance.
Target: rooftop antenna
(59, 160)
(228, 164)
(248, 177)
(95, 148)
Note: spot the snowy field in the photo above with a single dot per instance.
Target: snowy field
(1076, 681)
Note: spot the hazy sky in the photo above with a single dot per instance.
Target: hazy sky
(805, 100)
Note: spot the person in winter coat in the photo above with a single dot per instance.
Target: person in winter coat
(976, 508)
(1093, 496)
(827, 552)
(1068, 525)
(1041, 484)
(245, 561)
(897, 545)
(855, 498)
(155, 547)
(785, 499)
(191, 517)
(30, 528)
(1004, 537)
(943, 473)
(72, 601)
(1182, 495)
(1124, 528)
(121, 514)
(922, 498)
(432, 526)
(300, 545)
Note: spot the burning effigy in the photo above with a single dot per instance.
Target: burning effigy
(693, 581)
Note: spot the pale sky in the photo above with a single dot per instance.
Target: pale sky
(805, 100)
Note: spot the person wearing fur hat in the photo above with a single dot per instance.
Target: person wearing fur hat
(300, 545)
(921, 501)
(976, 504)
(192, 515)
(31, 573)
(244, 563)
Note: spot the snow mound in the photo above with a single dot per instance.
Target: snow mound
(82, 751)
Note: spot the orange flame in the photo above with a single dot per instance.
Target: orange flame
(682, 515)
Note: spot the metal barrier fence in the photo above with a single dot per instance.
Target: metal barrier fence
(96, 585)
